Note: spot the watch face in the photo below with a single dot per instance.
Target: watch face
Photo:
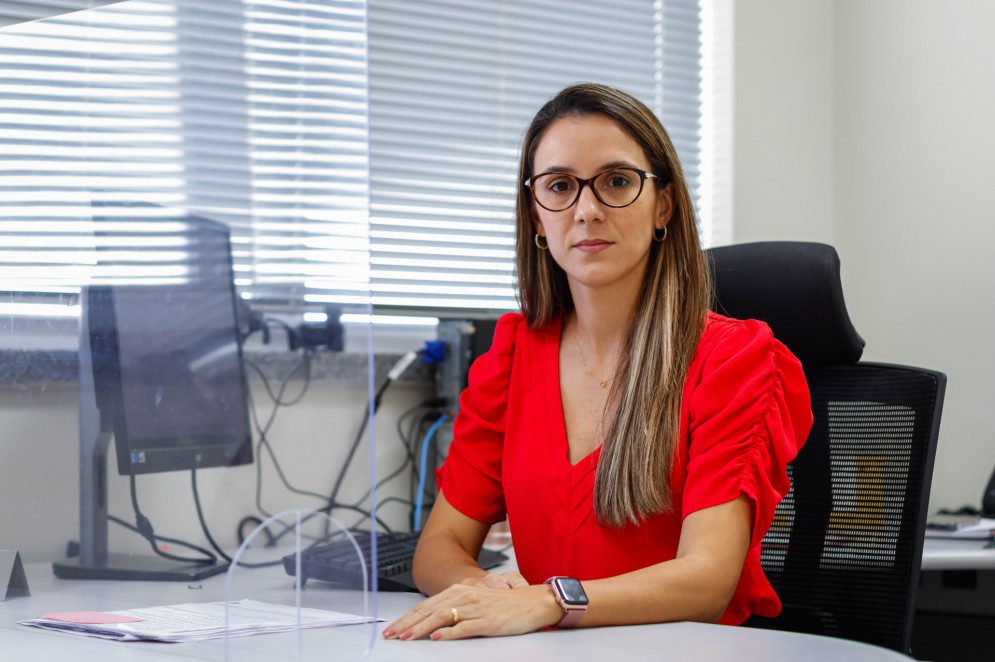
(571, 591)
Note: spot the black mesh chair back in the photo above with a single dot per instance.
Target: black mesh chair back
(845, 547)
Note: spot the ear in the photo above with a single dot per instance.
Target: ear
(665, 206)
(539, 229)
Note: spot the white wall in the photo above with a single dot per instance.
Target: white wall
(901, 153)
(782, 125)
(915, 136)
(39, 482)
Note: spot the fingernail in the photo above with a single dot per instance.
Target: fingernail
(436, 636)
(388, 633)
(404, 635)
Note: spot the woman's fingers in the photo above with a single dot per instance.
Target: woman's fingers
(473, 611)
(439, 618)
(436, 611)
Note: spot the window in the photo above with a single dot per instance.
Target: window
(453, 85)
(359, 151)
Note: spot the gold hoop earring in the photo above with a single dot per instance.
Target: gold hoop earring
(543, 246)
(657, 238)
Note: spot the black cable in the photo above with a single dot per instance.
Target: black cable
(210, 538)
(357, 441)
(406, 502)
(144, 528)
(264, 444)
(278, 402)
(406, 444)
(396, 371)
(255, 522)
(173, 541)
(305, 364)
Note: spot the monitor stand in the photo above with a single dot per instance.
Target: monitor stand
(137, 567)
(95, 434)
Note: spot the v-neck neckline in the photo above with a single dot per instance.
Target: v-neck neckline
(589, 462)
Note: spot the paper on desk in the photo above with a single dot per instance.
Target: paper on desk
(980, 529)
(200, 621)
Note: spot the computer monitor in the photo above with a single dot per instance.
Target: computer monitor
(161, 375)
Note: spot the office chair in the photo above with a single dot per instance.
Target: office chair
(845, 547)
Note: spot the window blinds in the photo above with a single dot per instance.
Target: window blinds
(253, 113)
(453, 85)
(256, 112)
(32, 10)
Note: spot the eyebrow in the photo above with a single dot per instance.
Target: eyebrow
(603, 167)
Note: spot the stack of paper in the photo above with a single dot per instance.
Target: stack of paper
(192, 622)
(971, 528)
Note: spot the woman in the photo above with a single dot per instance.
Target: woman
(636, 442)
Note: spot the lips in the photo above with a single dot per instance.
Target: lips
(592, 245)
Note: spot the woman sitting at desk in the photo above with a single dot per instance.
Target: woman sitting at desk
(636, 441)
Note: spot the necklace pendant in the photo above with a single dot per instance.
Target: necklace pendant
(603, 383)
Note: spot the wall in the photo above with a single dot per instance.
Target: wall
(39, 483)
(782, 125)
(900, 154)
(915, 102)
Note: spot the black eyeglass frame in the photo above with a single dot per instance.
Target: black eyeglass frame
(589, 182)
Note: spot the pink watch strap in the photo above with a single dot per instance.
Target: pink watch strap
(572, 617)
(572, 613)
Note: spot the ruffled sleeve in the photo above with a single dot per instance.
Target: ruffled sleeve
(470, 478)
(749, 414)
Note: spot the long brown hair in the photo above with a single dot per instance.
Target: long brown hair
(633, 476)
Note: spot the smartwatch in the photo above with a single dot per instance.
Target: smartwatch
(570, 595)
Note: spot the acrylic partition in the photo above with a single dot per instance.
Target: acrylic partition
(187, 357)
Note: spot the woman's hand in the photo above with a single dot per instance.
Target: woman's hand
(463, 611)
(510, 579)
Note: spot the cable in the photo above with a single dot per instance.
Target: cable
(326, 508)
(263, 430)
(264, 444)
(409, 457)
(305, 363)
(394, 373)
(173, 541)
(144, 528)
(421, 469)
(210, 538)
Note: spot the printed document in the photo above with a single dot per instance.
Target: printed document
(194, 621)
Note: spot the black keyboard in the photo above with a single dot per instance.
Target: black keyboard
(338, 563)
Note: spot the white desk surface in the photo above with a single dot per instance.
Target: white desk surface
(672, 641)
(948, 554)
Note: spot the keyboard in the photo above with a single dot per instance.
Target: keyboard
(338, 563)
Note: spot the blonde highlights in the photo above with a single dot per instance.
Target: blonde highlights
(633, 476)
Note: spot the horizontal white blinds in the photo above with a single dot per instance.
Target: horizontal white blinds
(253, 113)
(453, 85)
(32, 10)
(256, 113)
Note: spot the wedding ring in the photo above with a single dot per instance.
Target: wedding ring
(455, 616)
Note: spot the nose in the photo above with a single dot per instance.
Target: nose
(588, 208)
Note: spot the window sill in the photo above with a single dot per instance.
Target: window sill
(32, 370)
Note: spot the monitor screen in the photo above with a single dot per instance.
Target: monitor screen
(167, 355)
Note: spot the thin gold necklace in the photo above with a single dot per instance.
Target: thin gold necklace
(603, 383)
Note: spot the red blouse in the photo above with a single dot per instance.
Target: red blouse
(744, 415)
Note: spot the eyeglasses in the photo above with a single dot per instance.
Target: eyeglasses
(617, 187)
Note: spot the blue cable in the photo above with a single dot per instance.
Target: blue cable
(421, 469)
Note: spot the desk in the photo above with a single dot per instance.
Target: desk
(955, 603)
(674, 641)
(949, 554)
